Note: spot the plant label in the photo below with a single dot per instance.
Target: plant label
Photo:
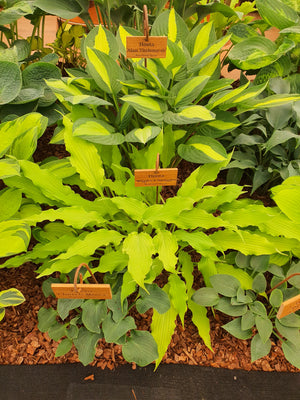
(156, 177)
(289, 306)
(140, 47)
(83, 291)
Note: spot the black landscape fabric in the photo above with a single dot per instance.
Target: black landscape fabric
(170, 382)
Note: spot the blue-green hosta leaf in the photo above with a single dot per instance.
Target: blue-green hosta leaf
(140, 348)
(14, 11)
(155, 298)
(63, 8)
(185, 92)
(105, 70)
(93, 313)
(189, 115)
(259, 348)
(258, 52)
(10, 81)
(291, 353)
(227, 285)
(91, 242)
(11, 297)
(113, 331)
(206, 297)
(85, 344)
(242, 276)
(148, 107)
(264, 327)
(178, 295)
(14, 237)
(96, 131)
(235, 329)
(46, 318)
(140, 248)
(162, 328)
(279, 137)
(143, 135)
(166, 246)
(201, 321)
(277, 13)
(10, 202)
(64, 306)
(241, 31)
(170, 24)
(202, 150)
(85, 158)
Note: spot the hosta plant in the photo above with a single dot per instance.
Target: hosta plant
(10, 298)
(110, 225)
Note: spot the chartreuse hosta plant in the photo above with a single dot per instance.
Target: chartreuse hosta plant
(131, 241)
(241, 292)
(177, 104)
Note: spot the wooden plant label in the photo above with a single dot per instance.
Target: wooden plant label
(84, 291)
(289, 306)
(156, 177)
(140, 47)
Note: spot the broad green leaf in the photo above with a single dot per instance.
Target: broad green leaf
(85, 344)
(10, 81)
(10, 202)
(143, 135)
(8, 168)
(276, 298)
(242, 276)
(140, 248)
(96, 131)
(11, 297)
(189, 115)
(132, 207)
(150, 77)
(287, 200)
(235, 329)
(15, 10)
(155, 298)
(277, 13)
(64, 306)
(187, 91)
(140, 348)
(128, 285)
(264, 327)
(226, 285)
(64, 347)
(106, 42)
(46, 318)
(291, 334)
(225, 96)
(118, 307)
(86, 160)
(198, 240)
(207, 267)
(259, 283)
(162, 328)
(225, 306)
(200, 38)
(187, 269)
(200, 149)
(166, 246)
(169, 23)
(223, 123)
(291, 353)
(63, 8)
(178, 295)
(105, 71)
(147, 107)
(268, 102)
(122, 34)
(93, 313)
(201, 321)
(113, 331)
(206, 296)
(259, 349)
(91, 242)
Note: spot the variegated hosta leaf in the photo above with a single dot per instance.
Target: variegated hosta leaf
(11, 297)
(268, 102)
(166, 246)
(214, 86)
(27, 129)
(189, 115)
(200, 38)
(174, 59)
(14, 237)
(150, 77)
(86, 160)
(140, 248)
(105, 70)
(96, 131)
(225, 96)
(91, 242)
(277, 13)
(170, 24)
(258, 52)
(9, 167)
(149, 108)
(122, 34)
(244, 278)
(225, 122)
(63, 88)
(143, 135)
(103, 40)
(201, 150)
(185, 92)
(89, 100)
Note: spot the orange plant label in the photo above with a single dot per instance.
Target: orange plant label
(84, 291)
(156, 177)
(289, 306)
(139, 47)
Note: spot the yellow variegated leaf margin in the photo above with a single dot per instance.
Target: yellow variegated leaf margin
(11, 297)
(225, 96)
(190, 90)
(106, 72)
(268, 102)
(148, 107)
(103, 40)
(201, 149)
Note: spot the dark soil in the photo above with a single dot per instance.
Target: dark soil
(22, 343)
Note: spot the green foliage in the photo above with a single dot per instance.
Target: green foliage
(8, 298)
